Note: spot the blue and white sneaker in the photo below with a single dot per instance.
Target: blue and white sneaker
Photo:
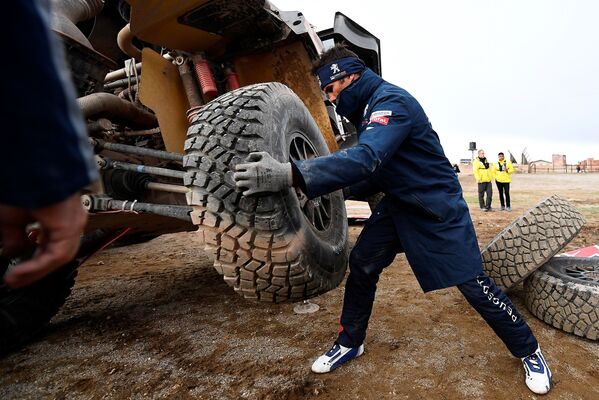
(334, 358)
(538, 374)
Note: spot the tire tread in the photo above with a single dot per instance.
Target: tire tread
(252, 247)
(530, 241)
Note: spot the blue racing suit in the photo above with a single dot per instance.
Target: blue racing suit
(422, 214)
(45, 156)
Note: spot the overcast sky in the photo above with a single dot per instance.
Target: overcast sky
(507, 74)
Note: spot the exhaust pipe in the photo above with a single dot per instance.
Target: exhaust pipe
(125, 41)
(106, 105)
(66, 13)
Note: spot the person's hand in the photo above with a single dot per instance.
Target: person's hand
(61, 225)
(262, 173)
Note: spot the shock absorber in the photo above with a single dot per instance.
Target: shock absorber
(232, 80)
(204, 75)
(192, 91)
(189, 83)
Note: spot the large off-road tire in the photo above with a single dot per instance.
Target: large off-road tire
(25, 312)
(565, 293)
(273, 247)
(531, 240)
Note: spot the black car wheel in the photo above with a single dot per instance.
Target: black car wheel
(272, 247)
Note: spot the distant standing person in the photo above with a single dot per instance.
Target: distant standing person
(503, 170)
(483, 173)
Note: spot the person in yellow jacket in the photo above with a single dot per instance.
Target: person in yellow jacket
(503, 170)
(483, 173)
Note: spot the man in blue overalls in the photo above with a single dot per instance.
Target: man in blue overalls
(422, 214)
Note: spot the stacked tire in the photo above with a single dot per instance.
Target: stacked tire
(530, 241)
(562, 291)
(565, 293)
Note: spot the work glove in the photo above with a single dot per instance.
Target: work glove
(262, 173)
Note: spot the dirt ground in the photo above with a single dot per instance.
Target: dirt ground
(155, 320)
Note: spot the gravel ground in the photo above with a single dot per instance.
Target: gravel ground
(155, 320)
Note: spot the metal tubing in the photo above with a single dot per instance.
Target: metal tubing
(66, 13)
(179, 212)
(189, 83)
(145, 169)
(120, 83)
(108, 105)
(99, 126)
(147, 132)
(140, 151)
(120, 73)
(125, 41)
(166, 187)
(129, 93)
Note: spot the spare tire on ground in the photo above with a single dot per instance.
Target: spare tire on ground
(565, 293)
(530, 241)
(25, 312)
(273, 247)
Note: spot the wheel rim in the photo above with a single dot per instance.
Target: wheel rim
(318, 211)
(585, 271)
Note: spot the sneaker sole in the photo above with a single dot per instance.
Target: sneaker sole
(334, 367)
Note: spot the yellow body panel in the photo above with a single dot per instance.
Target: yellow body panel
(155, 21)
(161, 90)
(291, 65)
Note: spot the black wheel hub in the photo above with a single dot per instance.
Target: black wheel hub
(583, 272)
(574, 269)
(318, 211)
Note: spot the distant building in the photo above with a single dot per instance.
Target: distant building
(559, 160)
(590, 164)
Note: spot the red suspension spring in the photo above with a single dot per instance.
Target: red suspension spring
(204, 75)
(232, 80)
